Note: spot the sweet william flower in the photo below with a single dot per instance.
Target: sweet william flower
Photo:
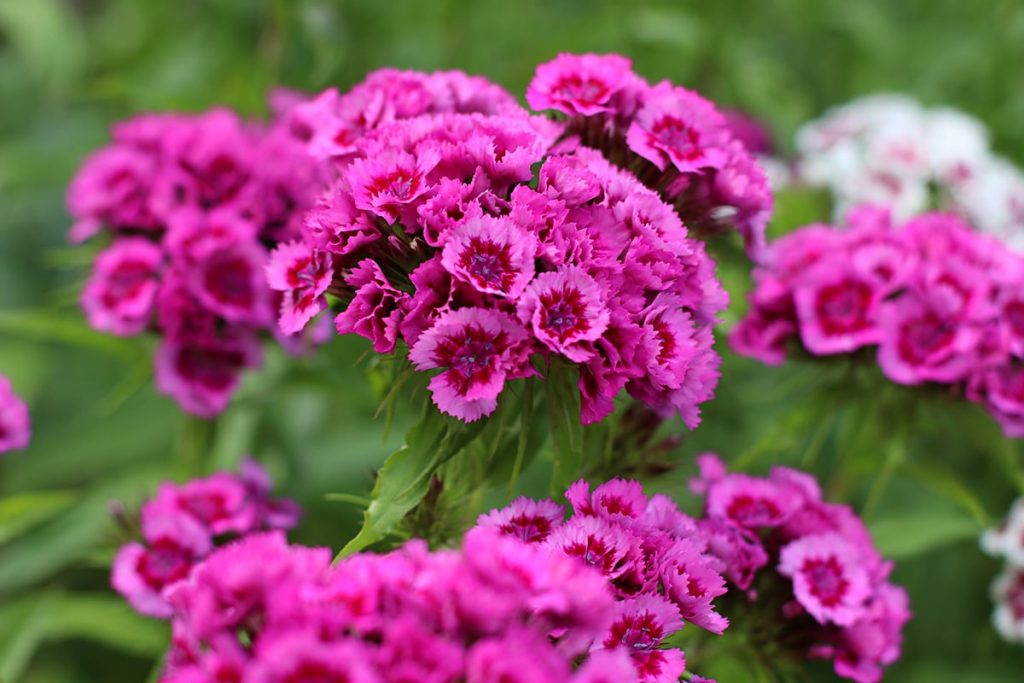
(828, 578)
(579, 84)
(640, 626)
(202, 374)
(15, 425)
(493, 255)
(303, 277)
(565, 310)
(678, 127)
(529, 520)
(120, 295)
(376, 310)
(478, 349)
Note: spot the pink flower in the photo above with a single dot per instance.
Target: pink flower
(304, 276)
(479, 349)
(302, 655)
(385, 186)
(201, 375)
(141, 573)
(679, 127)
(112, 188)
(739, 549)
(838, 309)
(15, 427)
(611, 550)
(607, 666)
(751, 502)
(874, 641)
(616, 499)
(829, 579)
(219, 503)
(1001, 390)
(579, 85)
(231, 282)
(121, 293)
(521, 656)
(526, 519)
(493, 255)
(376, 310)
(565, 310)
(762, 337)
(640, 626)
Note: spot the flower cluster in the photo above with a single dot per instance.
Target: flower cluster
(655, 558)
(192, 205)
(181, 525)
(673, 139)
(837, 602)
(1007, 542)
(480, 243)
(15, 427)
(498, 610)
(943, 304)
(888, 149)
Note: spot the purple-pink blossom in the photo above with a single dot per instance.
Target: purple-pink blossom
(15, 425)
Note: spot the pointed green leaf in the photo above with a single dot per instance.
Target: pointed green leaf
(23, 511)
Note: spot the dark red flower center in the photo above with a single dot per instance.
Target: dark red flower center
(213, 368)
(674, 135)
(563, 313)
(826, 580)
(582, 89)
(229, 280)
(639, 632)
(163, 563)
(746, 509)
(843, 307)
(315, 672)
(529, 528)
(490, 264)
(470, 356)
(923, 336)
(126, 281)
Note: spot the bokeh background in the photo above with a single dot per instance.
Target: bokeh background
(69, 68)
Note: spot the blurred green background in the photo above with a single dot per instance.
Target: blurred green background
(69, 68)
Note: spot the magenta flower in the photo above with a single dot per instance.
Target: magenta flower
(640, 626)
(751, 502)
(231, 283)
(529, 520)
(384, 186)
(376, 310)
(579, 85)
(829, 580)
(302, 655)
(15, 426)
(565, 310)
(478, 350)
(203, 374)
(493, 255)
(692, 581)
(112, 188)
(334, 223)
(838, 309)
(874, 642)
(120, 295)
(679, 127)
(303, 277)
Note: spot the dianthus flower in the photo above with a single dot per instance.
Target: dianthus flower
(676, 141)
(181, 524)
(828, 579)
(939, 302)
(190, 205)
(653, 557)
(498, 609)
(1007, 542)
(15, 427)
(486, 242)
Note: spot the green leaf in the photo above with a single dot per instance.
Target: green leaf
(404, 479)
(23, 511)
(23, 625)
(948, 486)
(566, 428)
(905, 535)
(107, 619)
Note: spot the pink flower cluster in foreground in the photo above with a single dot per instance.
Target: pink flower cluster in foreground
(192, 204)
(480, 241)
(666, 568)
(1007, 542)
(182, 524)
(839, 602)
(941, 303)
(673, 139)
(15, 426)
(655, 558)
(497, 610)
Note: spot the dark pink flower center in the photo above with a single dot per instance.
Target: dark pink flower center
(674, 135)
(206, 507)
(489, 264)
(1013, 313)
(826, 580)
(163, 563)
(843, 307)
(667, 341)
(746, 509)
(126, 281)
(315, 672)
(219, 182)
(563, 313)
(923, 336)
(595, 552)
(470, 356)
(400, 184)
(582, 89)
(230, 281)
(639, 632)
(529, 528)
(213, 368)
(1015, 597)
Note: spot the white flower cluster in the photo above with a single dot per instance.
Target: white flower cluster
(889, 149)
(1007, 541)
